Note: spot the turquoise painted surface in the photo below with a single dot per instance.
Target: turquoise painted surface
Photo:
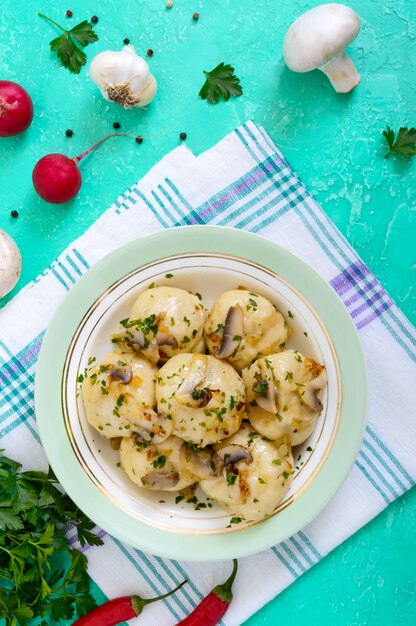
(333, 141)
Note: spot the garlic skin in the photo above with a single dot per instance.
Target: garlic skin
(123, 77)
(10, 263)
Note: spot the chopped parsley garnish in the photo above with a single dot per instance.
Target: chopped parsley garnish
(185, 339)
(198, 295)
(80, 378)
(251, 436)
(230, 477)
(262, 388)
(290, 314)
(289, 376)
(236, 520)
(186, 320)
(309, 449)
(178, 499)
(261, 481)
(120, 400)
(277, 461)
(168, 275)
(159, 462)
(252, 304)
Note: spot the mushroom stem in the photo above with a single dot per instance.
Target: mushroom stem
(342, 73)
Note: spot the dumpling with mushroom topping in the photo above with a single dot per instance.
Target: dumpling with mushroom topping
(164, 321)
(242, 326)
(284, 395)
(119, 398)
(155, 466)
(204, 397)
(255, 474)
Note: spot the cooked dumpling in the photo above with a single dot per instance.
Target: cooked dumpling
(203, 395)
(155, 466)
(164, 321)
(283, 394)
(119, 398)
(255, 476)
(242, 326)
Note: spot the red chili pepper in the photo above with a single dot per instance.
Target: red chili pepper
(214, 606)
(119, 610)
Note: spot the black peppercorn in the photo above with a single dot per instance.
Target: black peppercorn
(69, 132)
(126, 41)
(94, 19)
(150, 52)
(116, 125)
(139, 139)
(14, 213)
(195, 16)
(69, 13)
(183, 136)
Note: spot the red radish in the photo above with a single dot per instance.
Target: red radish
(56, 177)
(16, 109)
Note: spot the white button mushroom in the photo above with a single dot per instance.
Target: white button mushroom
(316, 40)
(10, 263)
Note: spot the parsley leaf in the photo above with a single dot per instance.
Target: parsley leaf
(66, 48)
(404, 143)
(34, 515)
(222, 83)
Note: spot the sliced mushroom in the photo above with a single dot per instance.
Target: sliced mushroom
(233, 332)
(119, 370)
(166, 339)
(161, 480)
(135, 337)
(233, 453)
(137, 341)
(141, 436)
(152, 426)
(310, 392)
(188, 392)
(266, 398)
(203, 463)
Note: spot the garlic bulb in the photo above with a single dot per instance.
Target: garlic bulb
(123, 77)
(10, 263)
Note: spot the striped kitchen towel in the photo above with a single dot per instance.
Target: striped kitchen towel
(243, 182)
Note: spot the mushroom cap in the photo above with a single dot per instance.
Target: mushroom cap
(319, 35)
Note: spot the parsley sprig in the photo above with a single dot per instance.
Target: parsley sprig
(67, 45)
(404, 143)
(40, 574)
(222, 83)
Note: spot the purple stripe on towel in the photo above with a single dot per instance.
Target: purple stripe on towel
(19, 364)
(234, 192)
(357, 278)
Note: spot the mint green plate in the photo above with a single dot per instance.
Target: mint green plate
(215, 259)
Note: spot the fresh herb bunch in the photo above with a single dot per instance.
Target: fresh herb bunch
(67, 45)
(33, 549)
(404, 143)
(222, 83)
